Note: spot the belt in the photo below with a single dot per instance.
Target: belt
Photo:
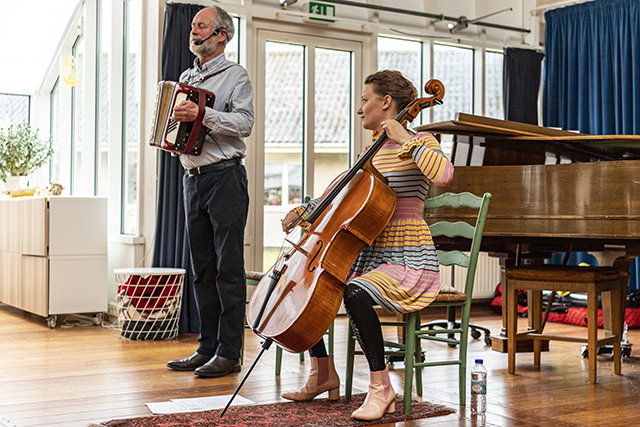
(213, 167)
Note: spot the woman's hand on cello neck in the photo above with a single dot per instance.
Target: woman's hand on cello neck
(395, 131)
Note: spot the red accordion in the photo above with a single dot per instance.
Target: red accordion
(179, 137)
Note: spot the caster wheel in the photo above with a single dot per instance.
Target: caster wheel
(487, 340)
(98, 318)
(585, 352)
(626, 352)
(51, 321)
(475, 334)
(452, 345)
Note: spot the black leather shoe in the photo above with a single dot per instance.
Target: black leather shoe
(218, 367)
(190, 363)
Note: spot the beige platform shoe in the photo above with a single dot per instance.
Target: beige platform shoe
(322, 377)
(380, 400)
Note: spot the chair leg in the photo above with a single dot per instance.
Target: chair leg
(464, 343)
(592, 331)
(242, 350)
(417, 355)
(278, 359)
(330, 333)
(409, 355)
(351, 346)
(511, 295)
(535, 319)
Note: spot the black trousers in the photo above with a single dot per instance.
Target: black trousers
(216, 207)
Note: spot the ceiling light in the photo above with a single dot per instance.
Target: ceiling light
(285, 3)
(460, 24)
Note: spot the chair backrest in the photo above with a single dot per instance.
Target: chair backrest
(461, 229)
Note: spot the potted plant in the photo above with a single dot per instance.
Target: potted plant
(21, 152)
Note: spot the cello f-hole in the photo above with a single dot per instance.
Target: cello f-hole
(309, 269)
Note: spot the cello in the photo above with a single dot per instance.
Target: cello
(298, 298)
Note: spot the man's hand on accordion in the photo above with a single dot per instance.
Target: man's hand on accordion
(185, 111)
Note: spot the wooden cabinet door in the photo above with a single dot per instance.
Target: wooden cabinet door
(34, 296)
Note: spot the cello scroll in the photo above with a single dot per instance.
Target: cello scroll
(432, 87)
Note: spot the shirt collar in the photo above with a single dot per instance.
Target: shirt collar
(198, 73)
(210, 64)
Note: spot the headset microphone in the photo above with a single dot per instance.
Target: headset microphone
(215, 33)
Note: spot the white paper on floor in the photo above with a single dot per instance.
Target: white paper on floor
(196, 404)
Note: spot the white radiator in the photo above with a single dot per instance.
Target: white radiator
(487, 277)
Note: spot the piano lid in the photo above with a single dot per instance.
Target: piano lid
(507, 135)
(468, 124)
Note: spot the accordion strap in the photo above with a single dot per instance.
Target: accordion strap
(210, 75)
(218, 72)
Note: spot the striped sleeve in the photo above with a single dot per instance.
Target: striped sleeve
(427, 154)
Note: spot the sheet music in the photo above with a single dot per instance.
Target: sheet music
(196, 404)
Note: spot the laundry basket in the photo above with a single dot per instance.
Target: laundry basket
(149, 302)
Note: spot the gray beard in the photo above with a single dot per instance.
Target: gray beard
(204, 49)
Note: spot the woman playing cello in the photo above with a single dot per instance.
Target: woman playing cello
(399, 271)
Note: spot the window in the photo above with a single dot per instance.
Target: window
(493, 100)
(131, 116)
(404, 56)
(453, 66)
(14, 110)
(306, 122)
(77, 96)
(332, 130)
(284, 97)
(232, 50)
(54, 108)
(103, 95)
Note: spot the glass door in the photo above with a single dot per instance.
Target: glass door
(311, 87)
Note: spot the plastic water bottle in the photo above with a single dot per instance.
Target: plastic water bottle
(478, 388)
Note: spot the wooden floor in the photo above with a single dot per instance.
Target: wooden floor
(75, 376)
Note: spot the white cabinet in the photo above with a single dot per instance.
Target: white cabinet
(53, 255)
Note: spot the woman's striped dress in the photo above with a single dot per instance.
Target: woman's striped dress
(400, 269)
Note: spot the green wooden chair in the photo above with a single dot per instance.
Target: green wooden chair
(411, 350)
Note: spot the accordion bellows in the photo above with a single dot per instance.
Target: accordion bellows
(179, 137)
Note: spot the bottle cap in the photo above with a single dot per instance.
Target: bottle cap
(479, 361)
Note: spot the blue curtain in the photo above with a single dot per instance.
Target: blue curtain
(591, 78)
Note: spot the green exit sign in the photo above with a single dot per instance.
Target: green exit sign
(322, 10)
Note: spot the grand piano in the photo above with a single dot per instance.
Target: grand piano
(553, 191)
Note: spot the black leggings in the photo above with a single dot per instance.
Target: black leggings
(365, 324)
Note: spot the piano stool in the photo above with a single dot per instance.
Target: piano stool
(609, 281)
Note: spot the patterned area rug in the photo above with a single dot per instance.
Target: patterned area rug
(318, 412)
